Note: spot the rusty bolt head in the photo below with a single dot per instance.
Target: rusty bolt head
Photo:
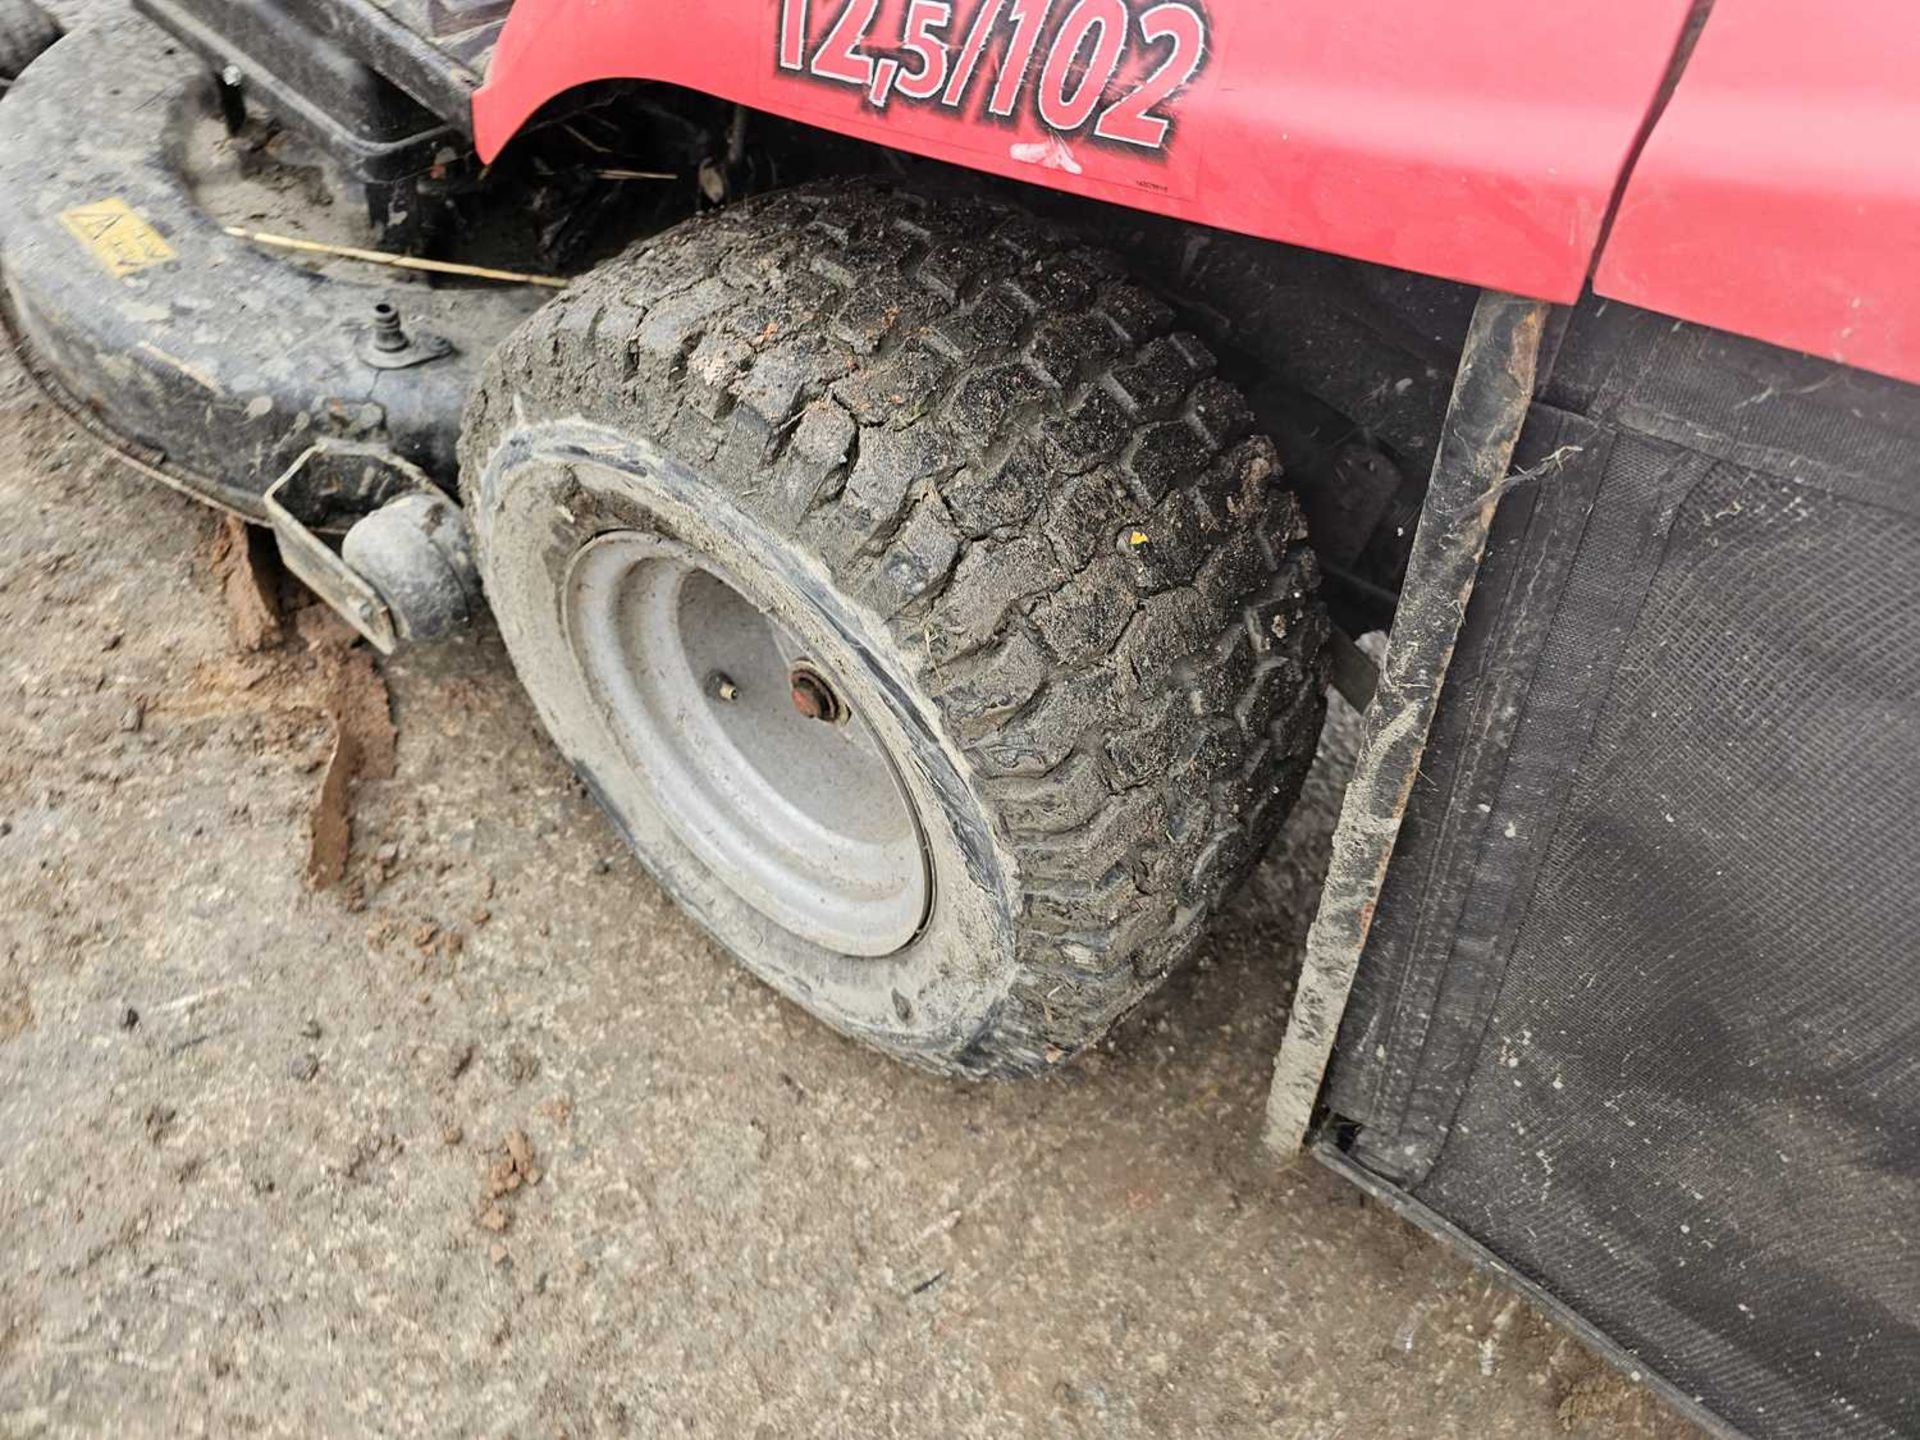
(813, 697)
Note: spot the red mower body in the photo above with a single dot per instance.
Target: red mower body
(1779, 194)
(1490, 143)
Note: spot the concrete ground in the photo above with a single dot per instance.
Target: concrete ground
(490, 1140)
(252, 1133)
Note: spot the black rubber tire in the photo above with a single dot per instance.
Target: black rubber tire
(25, 32)
(1038, 516)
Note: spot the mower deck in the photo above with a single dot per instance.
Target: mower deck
(210, 362)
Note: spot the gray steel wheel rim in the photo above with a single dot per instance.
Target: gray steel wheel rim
(806, 820)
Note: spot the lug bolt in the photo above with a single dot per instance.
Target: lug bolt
(722, 688)
(813, 697)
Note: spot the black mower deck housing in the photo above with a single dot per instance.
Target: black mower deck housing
(209, 361)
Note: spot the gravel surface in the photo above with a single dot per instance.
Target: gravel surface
(489, 1140)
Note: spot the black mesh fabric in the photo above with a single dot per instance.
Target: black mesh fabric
(1697, 1101)
(1641, 1014)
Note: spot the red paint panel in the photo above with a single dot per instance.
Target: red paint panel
(1779, 196)
(1481, 140)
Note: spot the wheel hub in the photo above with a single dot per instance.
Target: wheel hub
(748, 744)
(813, 694)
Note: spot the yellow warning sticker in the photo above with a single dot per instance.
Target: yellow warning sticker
(119, 239)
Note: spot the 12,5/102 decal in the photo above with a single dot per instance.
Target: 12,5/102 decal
(1110, 69)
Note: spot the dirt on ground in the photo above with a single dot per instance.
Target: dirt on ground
(484, 1137)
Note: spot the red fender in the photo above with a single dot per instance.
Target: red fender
(1779, 196)
(1480, 140)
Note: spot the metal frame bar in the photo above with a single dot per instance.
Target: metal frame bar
(1491, 393)
(405, 55)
